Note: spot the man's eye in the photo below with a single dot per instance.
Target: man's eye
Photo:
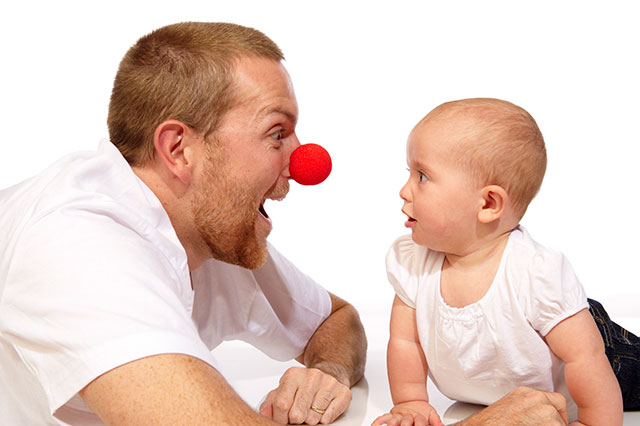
(278, 135)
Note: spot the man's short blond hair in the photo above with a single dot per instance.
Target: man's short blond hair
(501, 144)
(183, 72)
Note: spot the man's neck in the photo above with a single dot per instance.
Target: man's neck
(174, 200)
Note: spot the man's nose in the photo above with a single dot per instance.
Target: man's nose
(290, 146)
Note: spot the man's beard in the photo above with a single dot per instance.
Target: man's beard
(225, 213)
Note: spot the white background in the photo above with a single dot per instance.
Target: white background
(364, 73)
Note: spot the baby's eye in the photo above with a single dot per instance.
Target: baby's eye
(422, 177)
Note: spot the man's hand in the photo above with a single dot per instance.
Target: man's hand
(334, 359)
(523, 406)
(413, 413)
(306, 395)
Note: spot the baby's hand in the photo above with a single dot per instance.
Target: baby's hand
(414, 413)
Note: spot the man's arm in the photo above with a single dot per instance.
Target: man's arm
(523, 406)
(339, 345)
(167, 389)
(334, 359)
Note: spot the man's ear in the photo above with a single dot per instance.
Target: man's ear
(172, 141)
(494, 199)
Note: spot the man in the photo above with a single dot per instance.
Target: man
(121, 269)
(121, 276)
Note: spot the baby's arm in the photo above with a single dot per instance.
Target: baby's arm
(589, 377)
(407, 370)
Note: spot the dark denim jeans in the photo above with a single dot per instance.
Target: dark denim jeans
(623, 351)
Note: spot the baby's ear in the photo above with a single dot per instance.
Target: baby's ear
(495, 200)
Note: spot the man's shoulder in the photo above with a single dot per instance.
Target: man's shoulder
(88, 212)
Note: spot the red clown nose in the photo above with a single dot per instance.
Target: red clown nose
(310, 164)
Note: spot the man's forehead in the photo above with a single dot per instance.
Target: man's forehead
(265, 84)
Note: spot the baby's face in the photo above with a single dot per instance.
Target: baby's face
(440, 199)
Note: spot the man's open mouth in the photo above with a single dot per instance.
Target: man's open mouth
(263, 212)
(276, 197)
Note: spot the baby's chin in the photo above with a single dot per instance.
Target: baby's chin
(419, 239)
(428, 242)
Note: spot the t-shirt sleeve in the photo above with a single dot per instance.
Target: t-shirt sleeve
(553, 291)
(405, 263)
(87, 295)
(287, 309)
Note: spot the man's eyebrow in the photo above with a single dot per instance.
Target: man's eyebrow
(277, 110)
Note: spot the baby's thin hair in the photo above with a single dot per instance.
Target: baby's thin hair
(501, 145)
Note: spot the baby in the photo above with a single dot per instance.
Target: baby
(480, 307)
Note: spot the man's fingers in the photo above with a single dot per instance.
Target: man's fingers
(309, 382)
(283, 397)
(540, 405)
(301, 389)
(266, 409)
(316, 389)
(560, 403)
(338, 405)
(318, 410)
(334, 398)
(552, 400)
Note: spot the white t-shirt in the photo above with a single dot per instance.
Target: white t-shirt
(92, 276)
(480, 352)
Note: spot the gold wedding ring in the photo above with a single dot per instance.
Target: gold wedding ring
(317, 410)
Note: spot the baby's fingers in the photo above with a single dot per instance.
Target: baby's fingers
(434, 419)
(387, 419)
(408, 420)
(418, 420)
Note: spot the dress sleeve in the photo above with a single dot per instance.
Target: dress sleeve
(405, 264)
(554, 292)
